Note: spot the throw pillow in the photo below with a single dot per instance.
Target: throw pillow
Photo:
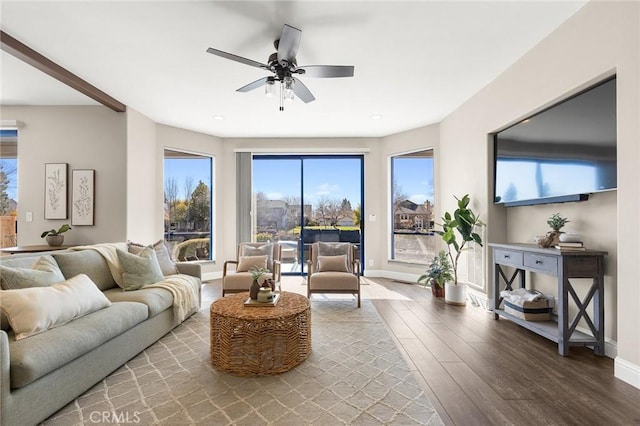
(139, 270)
(264, 250)
(247, 263)
(167, 265)
(333, 263)
(44, 272)
(33, 310)
(335, 249)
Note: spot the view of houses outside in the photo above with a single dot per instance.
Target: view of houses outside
(413, 208)
(328, 210)
(187, 206)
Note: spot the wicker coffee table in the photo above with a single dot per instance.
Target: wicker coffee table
(260, 341)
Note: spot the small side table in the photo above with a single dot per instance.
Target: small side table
(260, 341)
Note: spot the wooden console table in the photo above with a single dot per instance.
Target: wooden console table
(564, 265)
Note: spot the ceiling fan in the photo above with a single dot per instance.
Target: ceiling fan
(283, 65)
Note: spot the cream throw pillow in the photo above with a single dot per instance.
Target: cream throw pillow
(167, 265)
(139, 270)
(333, 263)
(247, 263)
(44, 272)
(33, 310)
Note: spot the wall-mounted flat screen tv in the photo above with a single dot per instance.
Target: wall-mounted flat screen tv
(563, 153)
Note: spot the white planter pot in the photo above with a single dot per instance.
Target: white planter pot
(455, 294)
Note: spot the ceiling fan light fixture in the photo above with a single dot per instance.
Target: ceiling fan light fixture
(270, 88)
(287, 87)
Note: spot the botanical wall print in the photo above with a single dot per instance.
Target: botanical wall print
(55, 191)
(83, 197)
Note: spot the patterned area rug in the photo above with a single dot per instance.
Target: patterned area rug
(354, 375)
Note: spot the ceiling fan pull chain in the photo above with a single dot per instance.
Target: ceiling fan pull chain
(281, 97)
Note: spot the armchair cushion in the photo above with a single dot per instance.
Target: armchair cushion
(249, 262)
(333, 263)
(335, 249)
(252, 249)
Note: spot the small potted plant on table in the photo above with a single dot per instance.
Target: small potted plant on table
(462, 224)
(438, 273)
(55, 238)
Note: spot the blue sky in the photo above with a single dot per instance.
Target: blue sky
(178, 168)
(414, 177)
(336, 178)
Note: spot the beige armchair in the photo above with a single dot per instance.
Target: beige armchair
(333, 268)
(236, 275)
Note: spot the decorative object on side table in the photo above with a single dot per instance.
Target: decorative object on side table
(55, 238)
(438, 273)
(556, 222)
(462, 223)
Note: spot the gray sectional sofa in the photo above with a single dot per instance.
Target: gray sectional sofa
(42, 373)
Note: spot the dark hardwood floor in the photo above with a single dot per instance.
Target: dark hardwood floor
(479, 371)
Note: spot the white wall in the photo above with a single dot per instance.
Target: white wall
(144, 224)
(85, 137)
(601, 39)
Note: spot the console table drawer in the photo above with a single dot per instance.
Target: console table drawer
(541, 262)
(508, 257)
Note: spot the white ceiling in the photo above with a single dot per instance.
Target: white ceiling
(415, 62)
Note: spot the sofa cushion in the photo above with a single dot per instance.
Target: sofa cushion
(43, 272)
(38, 355)
(139, 269)
(156, 299)
(88, 262)
(167, 266)
(33, 310)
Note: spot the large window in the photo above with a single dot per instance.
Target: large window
(412, 207)
(8, 187)
(188, 187)
(299, 200)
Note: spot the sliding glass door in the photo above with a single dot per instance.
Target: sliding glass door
(299, 200)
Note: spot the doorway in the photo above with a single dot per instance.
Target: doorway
(302, 199)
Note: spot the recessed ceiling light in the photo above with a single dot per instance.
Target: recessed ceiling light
(376, 117)
(218, 117)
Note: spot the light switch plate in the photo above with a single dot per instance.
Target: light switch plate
(28, 217)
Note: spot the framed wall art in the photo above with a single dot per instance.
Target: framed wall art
(83, 201)
(55, 190)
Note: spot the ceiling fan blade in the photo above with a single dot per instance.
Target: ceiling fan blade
(237, 58)
(302, 91)
(253, 85)
(288, 44)
(328, 71)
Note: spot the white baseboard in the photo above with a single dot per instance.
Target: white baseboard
(627, 372)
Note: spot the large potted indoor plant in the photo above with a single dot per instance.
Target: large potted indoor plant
(458, 229)
(438, 273)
